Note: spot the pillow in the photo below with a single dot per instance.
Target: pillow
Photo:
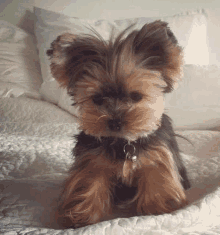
(213, 21)
(19, 63)
(187, 28)
(195, 104)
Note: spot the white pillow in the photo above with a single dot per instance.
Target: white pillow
(19, 63)
(213, 23)
(190, 30)
(187, 28)
(195, 104)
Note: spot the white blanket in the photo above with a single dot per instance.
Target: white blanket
(35, 154)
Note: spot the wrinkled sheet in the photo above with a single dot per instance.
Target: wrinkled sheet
(35, 155)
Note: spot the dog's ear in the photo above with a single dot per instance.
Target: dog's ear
(58, 54)
(156, 48)
(72, 58)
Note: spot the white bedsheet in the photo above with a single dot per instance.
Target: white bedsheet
(35, 154)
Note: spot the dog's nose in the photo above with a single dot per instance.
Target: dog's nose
(114, 124)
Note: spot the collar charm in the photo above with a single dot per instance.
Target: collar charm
(130, 163)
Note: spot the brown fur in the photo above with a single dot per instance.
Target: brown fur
(119, 89)
(158, 174)
(87, 196)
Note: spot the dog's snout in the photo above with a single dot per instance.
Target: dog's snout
(114, 124)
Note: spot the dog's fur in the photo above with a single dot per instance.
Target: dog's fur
(127, 151)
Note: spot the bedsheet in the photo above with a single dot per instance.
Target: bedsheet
(35, 155)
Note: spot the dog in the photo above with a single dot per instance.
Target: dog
(126, 153)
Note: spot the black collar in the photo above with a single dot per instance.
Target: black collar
(116, 148)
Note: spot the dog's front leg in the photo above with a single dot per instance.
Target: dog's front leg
(87, 194)
(159, 187)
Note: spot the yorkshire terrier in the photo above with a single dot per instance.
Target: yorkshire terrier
(126, 152)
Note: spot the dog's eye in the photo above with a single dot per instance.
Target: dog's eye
(98, 99)
(136, 96)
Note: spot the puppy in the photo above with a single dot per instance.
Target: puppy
(126, 152)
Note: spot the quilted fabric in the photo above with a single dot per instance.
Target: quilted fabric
(34, 163)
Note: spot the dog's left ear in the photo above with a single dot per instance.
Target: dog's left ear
(156, 48)
(58, 54)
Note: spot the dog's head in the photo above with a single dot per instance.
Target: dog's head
(119, 85)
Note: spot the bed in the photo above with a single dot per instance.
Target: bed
(37, 121)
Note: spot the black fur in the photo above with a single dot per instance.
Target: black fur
(114, 151)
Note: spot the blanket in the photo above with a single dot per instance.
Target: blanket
(36, 139)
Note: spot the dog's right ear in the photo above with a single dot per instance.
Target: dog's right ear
(157, 49)
(58, 54)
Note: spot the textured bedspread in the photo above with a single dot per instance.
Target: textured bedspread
(35, 154)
